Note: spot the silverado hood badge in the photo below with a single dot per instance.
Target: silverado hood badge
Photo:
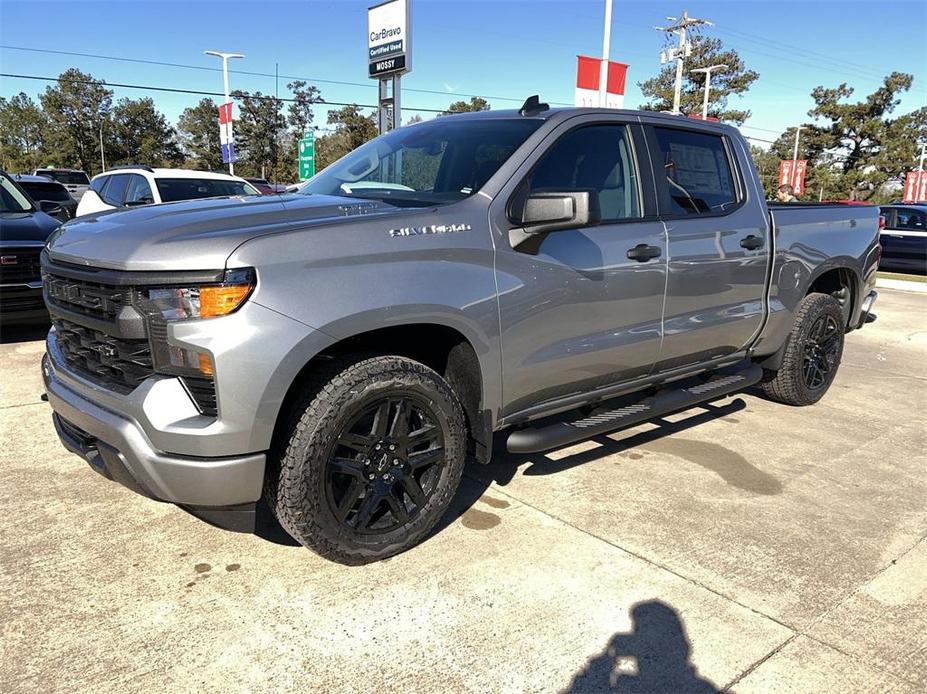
(429, 229)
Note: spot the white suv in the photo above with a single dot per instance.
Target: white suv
(130, 186)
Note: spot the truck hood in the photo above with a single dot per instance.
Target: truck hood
(198, 234)
(28, 227)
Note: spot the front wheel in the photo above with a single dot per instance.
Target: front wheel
(374, 455)
(812, 353)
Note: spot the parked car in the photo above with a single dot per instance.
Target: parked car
(904, 238)
(42, 189)
(24, 229)
(130, 186)
(74, 180)
(553, 275)
(262, 185)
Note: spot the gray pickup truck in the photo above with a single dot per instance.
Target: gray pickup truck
(533, 277)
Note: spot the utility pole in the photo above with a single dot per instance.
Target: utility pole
(225, 79)
(707, 71)
(606, 40)
(923, 153)
(680, 53)
(103, 156)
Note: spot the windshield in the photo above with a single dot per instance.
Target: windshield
(175, 189)
(11, 199)
(434, 163)
(74, 178)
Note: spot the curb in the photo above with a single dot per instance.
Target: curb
(901, 285)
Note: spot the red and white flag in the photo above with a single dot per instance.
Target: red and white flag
(792, 173)
(588, 72)
(915, 187)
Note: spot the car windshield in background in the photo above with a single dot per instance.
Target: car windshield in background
(176, 189)
(74, 178)
(11, 199)
(434, 163)
(46, 191)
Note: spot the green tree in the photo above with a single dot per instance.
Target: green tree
(24, 129)
(299, 113)
(867, 146)
(476, 103)
(198, 130)
(139, 134)
(352, 129)
(706, 51)
(76, 107)
(257, 132)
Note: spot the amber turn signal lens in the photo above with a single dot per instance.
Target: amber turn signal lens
(223, 299)
(205, 364)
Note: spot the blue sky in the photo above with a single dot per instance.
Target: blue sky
(501, 48)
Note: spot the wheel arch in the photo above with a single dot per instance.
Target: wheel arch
(439, 346)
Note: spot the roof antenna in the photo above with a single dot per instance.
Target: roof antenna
(532, 106)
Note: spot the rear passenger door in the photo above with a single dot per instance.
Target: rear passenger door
(577, 313)
(718, 245)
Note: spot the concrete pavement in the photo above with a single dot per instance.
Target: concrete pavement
(745, 546)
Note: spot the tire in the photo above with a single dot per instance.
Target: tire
(336, 485)
(812, 353)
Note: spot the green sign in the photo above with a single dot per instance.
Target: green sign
(307, 156)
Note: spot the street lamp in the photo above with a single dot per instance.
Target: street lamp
(707, 71)
(225, 79)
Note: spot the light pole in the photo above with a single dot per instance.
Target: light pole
(707, 71)
(225, 80)
(603, 68)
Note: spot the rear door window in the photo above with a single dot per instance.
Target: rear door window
(115, 192)
(139, 192)
(697, 176)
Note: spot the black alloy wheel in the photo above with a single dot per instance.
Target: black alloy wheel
(820, 352)
(385, 464)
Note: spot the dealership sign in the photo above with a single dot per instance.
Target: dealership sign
(388, 39)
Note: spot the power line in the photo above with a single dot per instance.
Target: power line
(251, 73)
(196, 92)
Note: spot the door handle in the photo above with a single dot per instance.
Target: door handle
(642, 252)
(751, 242)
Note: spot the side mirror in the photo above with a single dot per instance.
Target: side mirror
(52, 209)
(543, 212)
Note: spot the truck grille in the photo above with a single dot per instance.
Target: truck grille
(114, 363)
(19, 265)
(88, 298)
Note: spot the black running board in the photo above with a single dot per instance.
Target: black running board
(605, 420)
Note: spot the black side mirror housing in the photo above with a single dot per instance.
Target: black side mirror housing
(542, 212)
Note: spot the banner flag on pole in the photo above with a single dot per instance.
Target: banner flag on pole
(587, 82)
(915, 187)
(226, 138)
(793, 173)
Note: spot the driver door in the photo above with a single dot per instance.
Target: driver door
(580, 313)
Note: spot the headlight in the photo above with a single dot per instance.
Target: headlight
(203, 301)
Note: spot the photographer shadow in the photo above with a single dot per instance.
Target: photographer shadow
(653, 657)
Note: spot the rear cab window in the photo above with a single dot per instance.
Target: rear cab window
(698, 178)
(74, 178)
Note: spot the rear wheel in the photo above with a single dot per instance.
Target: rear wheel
(812, 353)
(373, 458)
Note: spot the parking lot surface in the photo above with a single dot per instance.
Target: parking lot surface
(744, 545)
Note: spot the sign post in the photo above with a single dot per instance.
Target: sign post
(389, 55)
(307, 156)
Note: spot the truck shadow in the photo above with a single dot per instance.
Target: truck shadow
(730, 466)
(652, 657)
